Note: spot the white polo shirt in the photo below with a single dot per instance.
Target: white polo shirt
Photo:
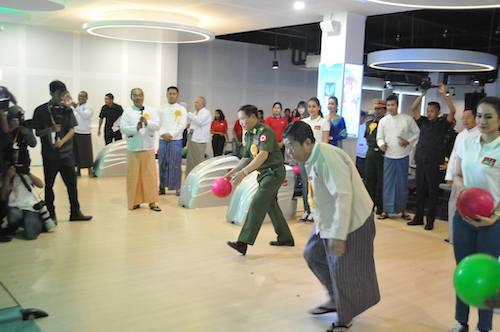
(318, 125)
(481, 165)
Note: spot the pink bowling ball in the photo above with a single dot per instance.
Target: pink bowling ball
(296, 170)
(474, 202)
(221, 187)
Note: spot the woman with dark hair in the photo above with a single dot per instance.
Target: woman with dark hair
(338, 130)
(276, 122)
(219, 133)
(320, 128)
(477, 165)
(288, 115)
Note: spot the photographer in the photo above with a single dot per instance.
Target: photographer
(24, 208)
(54, 123)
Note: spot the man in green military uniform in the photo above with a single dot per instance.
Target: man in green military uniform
(262, 154)
(374, 162)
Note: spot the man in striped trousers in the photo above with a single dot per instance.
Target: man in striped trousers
(340, 249)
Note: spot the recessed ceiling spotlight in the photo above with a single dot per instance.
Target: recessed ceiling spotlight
(299, 5)
(148, 31)
(33, 5)
(431, 4)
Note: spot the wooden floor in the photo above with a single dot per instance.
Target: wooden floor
(172, 271)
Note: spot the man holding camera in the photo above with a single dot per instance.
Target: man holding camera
(54, 123)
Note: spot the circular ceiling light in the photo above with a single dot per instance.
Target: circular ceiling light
(12, 15)
(33, 5)
(431, 4)
(148, 31)
(432, 60)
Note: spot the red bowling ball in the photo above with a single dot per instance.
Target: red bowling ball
(221, 187)
(473, 202)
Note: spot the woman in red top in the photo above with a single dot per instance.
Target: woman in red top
(277, 122)
(219, 133)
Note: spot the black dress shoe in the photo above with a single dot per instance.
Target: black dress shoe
(240, 247)
(415, 222)
(429, 226)
(282, 243)
(79, 216)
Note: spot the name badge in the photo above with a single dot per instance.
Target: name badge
(489, 161)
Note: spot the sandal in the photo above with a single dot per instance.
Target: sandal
(339, 328)
(321, 310)
(154, 207)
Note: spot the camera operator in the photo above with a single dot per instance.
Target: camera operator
(6, 98)
(24, 208)
(54, 123)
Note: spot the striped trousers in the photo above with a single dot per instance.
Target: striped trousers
(170, 164)
(351, 279)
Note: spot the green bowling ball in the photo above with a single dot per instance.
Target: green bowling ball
(477, 278)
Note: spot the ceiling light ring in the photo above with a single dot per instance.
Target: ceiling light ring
(471, 61)
(408, 5)
(91, 28)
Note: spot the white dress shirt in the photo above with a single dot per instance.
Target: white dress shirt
(144, 138)
(83, 114)
(481, 165)
(339, 201)
(200, 125)
(390, 128)
(318, 125)
(459, 141)
(173, 120)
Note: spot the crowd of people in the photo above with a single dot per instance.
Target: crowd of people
(340, 196)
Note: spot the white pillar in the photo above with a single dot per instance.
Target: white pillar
(341, 68)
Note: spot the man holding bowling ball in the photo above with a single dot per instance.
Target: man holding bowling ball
(478, 166)
(263, 154)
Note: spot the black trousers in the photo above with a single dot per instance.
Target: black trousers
(110, 136)
(67, 169)
(428, 178)
(360, 166)
(374, 178)
(218, 144)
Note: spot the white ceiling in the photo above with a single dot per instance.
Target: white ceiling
(220, 17)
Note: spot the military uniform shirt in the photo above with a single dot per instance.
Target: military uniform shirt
(262, 138)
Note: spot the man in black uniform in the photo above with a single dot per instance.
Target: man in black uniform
(374, 162)
(262, 154)
(429, 155)
(111, 112)
(54, 123)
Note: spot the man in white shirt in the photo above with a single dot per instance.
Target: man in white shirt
(340, 249)
(395, 135)
(470, 129)
(139, 124)
(82, 143)
(199, 133)
(173, 121)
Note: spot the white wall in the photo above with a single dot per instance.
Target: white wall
(230, 74)
(83, 62)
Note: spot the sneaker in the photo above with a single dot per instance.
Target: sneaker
(305, 216)
(459, 328)
(50, 225)
(310, 218)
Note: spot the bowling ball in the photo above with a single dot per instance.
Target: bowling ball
(221, 187)
(184, 152)
(477, 279)
(474, 202)
(296, 170)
